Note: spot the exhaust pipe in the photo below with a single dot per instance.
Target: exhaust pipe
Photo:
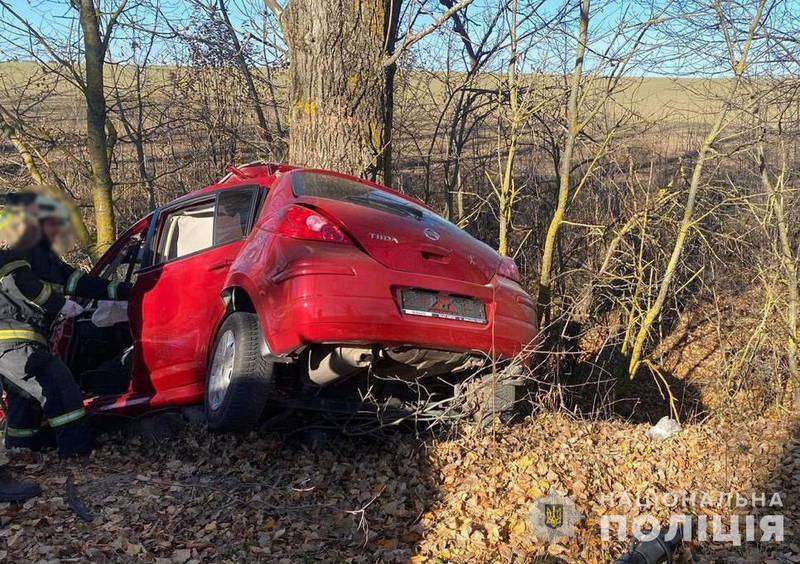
(329, 365)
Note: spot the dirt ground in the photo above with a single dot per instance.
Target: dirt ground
(287, 497)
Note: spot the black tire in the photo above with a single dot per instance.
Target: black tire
(238, 404)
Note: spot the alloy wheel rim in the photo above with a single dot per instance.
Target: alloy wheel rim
(221, 370)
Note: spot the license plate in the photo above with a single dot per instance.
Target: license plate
(442, 306)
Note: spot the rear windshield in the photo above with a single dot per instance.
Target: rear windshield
(335, 188)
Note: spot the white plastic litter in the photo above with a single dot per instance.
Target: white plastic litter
(71, 309)
(110, 313)
(665, 428)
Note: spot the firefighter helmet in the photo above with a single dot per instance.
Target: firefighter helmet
(49, 208)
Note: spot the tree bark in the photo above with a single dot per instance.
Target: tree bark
(340, 108)
(391, 19)
(96, 141)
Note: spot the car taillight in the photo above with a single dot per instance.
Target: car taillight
(298, 222)
(508, 269)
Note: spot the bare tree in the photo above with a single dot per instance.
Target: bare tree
(219, 10)
(88, 76)
(779, 195)
(738, 64)
(343, 58)
(524, 101)
(589, 94)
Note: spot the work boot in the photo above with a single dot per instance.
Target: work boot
(15, 491)
(44, 439)
(75, 439)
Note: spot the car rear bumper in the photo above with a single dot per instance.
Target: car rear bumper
(340, 295)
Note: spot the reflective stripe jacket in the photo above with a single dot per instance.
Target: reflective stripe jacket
(73, 281)
(28, 305)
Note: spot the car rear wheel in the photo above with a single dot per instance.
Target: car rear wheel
(239, 379)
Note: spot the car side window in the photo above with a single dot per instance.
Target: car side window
(186, 231)
(234, 212)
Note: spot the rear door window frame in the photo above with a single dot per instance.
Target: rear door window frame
(155, 231)
(201, 203)
(364, 194)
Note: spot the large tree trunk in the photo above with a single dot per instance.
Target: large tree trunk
(96, 142)
(340, 109)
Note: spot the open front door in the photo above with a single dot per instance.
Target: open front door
(85, 347)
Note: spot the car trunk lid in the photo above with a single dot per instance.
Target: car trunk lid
(400, 234)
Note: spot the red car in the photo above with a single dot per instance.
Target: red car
(280, 280)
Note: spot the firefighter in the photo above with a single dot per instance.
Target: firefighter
(61, 278)
(37, 384)
(12, 490)
(12, 233)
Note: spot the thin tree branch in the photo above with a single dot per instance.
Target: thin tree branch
(409, 40)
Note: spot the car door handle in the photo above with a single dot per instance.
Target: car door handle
(220, 265)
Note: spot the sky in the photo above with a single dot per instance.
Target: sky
(544, 51)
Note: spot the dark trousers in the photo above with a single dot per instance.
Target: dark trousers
(40, 387)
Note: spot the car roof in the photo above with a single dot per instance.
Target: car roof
(237, 176)
(267, 173)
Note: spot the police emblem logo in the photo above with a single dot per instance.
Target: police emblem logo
(553, 515)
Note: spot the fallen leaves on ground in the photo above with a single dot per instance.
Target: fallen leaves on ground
(198, 497)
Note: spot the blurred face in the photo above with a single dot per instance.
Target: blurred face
(52, 229)
(19, 231)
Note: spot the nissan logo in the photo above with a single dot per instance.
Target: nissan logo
(431, 234)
